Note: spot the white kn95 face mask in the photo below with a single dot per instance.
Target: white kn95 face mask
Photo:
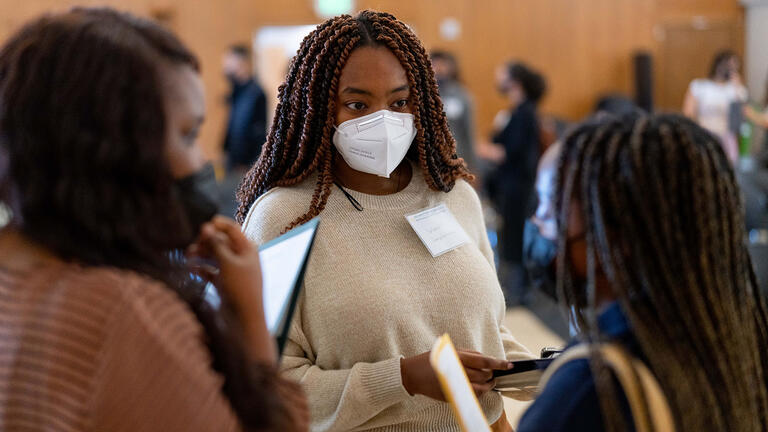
(375, 143)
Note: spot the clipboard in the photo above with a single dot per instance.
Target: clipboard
(524, 375)
(456, 387)
(283, 265)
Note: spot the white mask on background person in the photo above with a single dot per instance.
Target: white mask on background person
(375, 143)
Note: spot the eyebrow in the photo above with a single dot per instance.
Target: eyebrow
(354, 90)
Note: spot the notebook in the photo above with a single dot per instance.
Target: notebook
(524, 375)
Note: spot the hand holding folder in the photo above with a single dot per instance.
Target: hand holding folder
(453, 379)
(456, 387)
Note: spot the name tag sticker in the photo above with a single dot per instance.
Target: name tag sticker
(438, 229)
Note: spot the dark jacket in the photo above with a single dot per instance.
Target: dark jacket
(247, 126)
(520, 138)
(511, 184)
(569, 402)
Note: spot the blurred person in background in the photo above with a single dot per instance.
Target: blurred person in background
(540, 248)
(617, 105)
(247, 124)
(754, 184)
(104, 326)
(709, 100)
(760, 119)
(540, 236)
(457, 104)
(661, 282)
(515, 149)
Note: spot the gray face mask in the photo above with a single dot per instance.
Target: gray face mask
(197, 194)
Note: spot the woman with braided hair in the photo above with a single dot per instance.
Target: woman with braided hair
(652, 255)
(360, 138)
(103, 329)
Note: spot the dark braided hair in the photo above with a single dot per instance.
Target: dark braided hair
(299, 142)
(83, 135)
(664, 225)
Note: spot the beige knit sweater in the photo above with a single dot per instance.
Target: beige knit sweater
(374, 294)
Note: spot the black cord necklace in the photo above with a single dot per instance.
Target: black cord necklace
(355, 203)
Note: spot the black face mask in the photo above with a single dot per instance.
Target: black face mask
(539, 256)
(197, 195)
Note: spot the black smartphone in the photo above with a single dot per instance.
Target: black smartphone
(521, 366)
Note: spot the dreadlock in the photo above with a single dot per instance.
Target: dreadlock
(664, 224)
(299, 142)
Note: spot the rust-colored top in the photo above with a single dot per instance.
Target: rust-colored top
(101, 349)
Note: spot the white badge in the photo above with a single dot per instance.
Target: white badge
(438, 229)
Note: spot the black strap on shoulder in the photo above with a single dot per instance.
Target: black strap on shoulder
(355, 203)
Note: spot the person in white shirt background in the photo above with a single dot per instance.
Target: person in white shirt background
(709, 100)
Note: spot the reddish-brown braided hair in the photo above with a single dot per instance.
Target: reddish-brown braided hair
(299, 142)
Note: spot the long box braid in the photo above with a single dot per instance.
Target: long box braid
(665, 224)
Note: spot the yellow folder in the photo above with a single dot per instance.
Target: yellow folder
(456, 387)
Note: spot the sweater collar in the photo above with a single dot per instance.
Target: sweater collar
(406, 198)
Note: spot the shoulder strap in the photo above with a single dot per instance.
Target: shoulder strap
(647, 402)
(576, 352)
(661, 414)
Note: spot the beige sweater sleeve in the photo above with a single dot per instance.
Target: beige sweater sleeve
(342, 399)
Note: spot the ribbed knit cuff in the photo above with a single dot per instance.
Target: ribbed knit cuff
(383, 383)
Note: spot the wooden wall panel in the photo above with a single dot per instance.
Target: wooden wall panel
(584, 47)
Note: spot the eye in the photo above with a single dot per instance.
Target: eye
(190, 137)
(402, 103)
(356, 106)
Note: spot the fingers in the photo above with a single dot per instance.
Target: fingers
(481, 389)
(198, 249)
(237, 239)
(478, 361)
(205, 271)
(195, 249)
(296, 403)
(217, 241)
(295, 399)
(298, 407)
(287, 387)
(479, 376)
